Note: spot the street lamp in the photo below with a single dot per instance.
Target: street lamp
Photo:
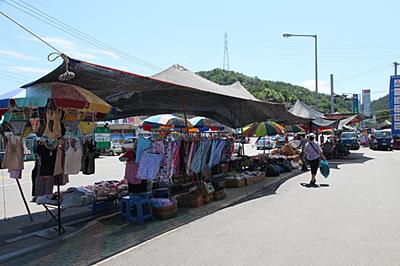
(288, 35)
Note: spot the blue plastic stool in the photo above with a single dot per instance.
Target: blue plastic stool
(138, 201)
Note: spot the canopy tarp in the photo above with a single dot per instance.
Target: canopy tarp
(320, 122)
(346, 121)
(239, 89)
(257, 110)
(303, 110)
(175, 89)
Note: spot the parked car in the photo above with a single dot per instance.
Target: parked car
(381, 139)
(266, 142)
(128, 144)
(350, 140)
(396, 143)
(280, 141)
(115, 149)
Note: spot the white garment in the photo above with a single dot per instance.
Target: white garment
(73, 160)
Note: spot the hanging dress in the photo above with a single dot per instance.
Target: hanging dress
(53, 124)
(73, 158)
(14, 157)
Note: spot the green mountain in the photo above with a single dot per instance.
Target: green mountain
(381, 108)
(380, 104)
(275, 91)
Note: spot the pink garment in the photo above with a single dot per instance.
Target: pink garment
(131, 169)
(190, 157)
(176, 160)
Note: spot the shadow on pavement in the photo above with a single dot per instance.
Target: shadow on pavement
(308, 185)
(353, 158)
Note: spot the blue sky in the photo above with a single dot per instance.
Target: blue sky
(358, 40)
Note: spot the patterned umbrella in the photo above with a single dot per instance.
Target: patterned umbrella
(263, 128)
(203, 122)
(164, 120)
(67, 96)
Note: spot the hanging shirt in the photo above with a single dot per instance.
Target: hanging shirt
(53, 124)
(149, 166)
(88, 163)
(58, 166)
(14, 156)
(131, 170)
(73, 159)
(142, 145)
(86, 128)
(47, 160)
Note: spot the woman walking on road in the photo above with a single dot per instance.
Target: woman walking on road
(313, 153)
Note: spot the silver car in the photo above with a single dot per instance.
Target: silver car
(266, 143)
(115, 149)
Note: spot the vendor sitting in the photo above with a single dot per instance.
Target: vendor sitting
(135, 185)
(340, 149)
(327, 148)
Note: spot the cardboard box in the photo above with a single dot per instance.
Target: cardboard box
(190, 200)
(235, 183)
(219, 195)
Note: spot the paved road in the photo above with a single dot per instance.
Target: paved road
(107, 168)
(354, 221)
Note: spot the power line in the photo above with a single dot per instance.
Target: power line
(13, 75)
(30, 32)
(379, 68)
(52, 21)
(11, 79)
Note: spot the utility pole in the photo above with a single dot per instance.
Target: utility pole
(332, 96)
(225, 63)
(395, 67)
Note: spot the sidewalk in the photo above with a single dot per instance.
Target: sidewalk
(105, 236)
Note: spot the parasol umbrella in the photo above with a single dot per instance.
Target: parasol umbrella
(67, 96)
(165, 121)
(205, 123)
(7, 97)
(262, 129)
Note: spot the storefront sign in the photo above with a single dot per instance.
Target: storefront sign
(366, 102)
(355, 103)
(394, 94)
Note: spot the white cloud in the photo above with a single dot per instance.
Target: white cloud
(68, 47)
(110, 54)
(15, 55)
(323, 86)
(29, 70)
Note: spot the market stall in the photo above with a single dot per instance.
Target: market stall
(62, 118)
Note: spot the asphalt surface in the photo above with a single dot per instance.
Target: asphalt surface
(353, 221)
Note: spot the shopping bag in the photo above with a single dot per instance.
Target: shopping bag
(324, 168)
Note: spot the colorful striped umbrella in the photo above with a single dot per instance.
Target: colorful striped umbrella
(68, 96)
(263, 129)
(164, 120)
(205, 123)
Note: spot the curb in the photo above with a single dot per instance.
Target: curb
(270, 186)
